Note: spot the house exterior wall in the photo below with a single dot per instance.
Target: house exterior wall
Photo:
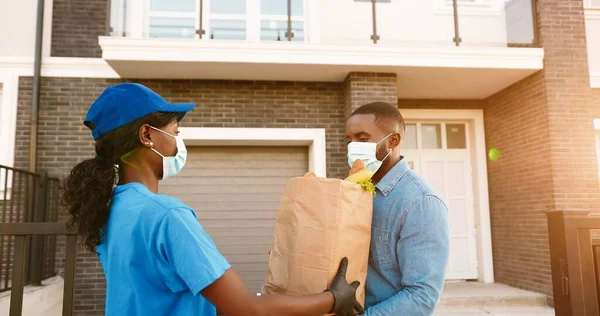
(64, 141)
(76, 25)
(541, 126)
(543, 129)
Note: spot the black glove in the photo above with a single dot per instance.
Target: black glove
(344, 293)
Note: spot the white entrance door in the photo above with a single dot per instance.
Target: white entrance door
(441, 153)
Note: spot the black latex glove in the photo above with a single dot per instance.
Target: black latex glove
(344, 293)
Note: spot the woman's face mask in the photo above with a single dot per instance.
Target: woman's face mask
(173, 165)
(367, 152)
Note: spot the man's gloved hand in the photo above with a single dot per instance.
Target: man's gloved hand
(344, 293)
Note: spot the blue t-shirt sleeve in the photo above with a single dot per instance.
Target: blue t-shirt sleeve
(189, 250)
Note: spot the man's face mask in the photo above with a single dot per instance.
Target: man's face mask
(367, 152)
(173, 165)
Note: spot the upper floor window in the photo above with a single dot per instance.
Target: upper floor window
(172, 18)
(273, 20)
(265, 20)
(591, 4)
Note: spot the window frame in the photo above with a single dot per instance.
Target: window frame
(587, 4)
(252, 18)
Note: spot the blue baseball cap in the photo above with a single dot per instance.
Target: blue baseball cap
(124, 103)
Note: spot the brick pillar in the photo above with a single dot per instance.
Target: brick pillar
(542, 127)
(364, 87)
(569, 103)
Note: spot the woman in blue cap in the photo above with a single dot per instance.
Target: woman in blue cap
(156, 257)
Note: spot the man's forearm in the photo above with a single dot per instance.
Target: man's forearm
(411, 301)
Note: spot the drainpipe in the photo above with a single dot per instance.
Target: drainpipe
(36, 248)
(35, 98)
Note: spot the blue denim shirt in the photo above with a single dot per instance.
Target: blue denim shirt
(410, 245)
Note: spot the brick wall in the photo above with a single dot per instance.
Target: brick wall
(562, 31)
(361, 88)
(64, 141)
(596, 102)
(520, 184)
(76, 25)
(542, 127)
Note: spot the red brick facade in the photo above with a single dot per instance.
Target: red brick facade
(543, 129)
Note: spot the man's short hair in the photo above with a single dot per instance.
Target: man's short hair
(387, 116)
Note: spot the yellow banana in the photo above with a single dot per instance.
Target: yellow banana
(361, 176)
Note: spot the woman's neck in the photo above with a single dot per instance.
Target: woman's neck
(140, 173)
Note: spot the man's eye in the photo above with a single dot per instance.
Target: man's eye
(364, 140)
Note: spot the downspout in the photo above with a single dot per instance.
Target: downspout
(35, 98)
(36, 244)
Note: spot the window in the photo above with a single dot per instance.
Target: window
(410, 137)
(273, 20)
(172, 18)
(264, 20)
(431, 136)
(591, 4)
(228, 19)
(456, 136)
(434, 135)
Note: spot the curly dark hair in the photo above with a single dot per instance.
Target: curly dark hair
(88, 188)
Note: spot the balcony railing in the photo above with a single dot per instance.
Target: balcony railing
(474, 23)
(25, 198)
(22, 233)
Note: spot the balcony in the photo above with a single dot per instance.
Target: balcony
(471, 48)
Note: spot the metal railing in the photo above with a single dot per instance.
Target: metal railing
(511, 23)
(27, 197)
(23, 233)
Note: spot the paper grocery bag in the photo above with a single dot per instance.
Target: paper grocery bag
(320, 221)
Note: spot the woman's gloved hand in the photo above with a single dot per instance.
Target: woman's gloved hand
(344, 293)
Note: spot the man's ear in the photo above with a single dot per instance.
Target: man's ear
(395, 140)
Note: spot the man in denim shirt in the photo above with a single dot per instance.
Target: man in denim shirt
(410, 235)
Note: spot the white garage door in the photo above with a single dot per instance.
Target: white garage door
(236, 192)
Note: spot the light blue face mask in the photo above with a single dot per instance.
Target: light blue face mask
(173, 165)
(367, 152)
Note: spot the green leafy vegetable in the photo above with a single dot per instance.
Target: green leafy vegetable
(368, 186)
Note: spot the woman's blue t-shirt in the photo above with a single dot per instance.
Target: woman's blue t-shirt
(156, 257)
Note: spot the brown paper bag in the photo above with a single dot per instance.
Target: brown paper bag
(320, 221)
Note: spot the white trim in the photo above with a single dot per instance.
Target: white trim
(313, 138)
(475, 8)
(66, 67)
(174, 15)
(185, 50)
(312, 13)
(597, 124)
(595, 80)
(480, 181)
(587, 5)
(136, 24)
(8, 122)
(592, 13)
(47, 33)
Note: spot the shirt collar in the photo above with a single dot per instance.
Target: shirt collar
(388, 182)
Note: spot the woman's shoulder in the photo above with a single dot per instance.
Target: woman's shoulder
(145, 197)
